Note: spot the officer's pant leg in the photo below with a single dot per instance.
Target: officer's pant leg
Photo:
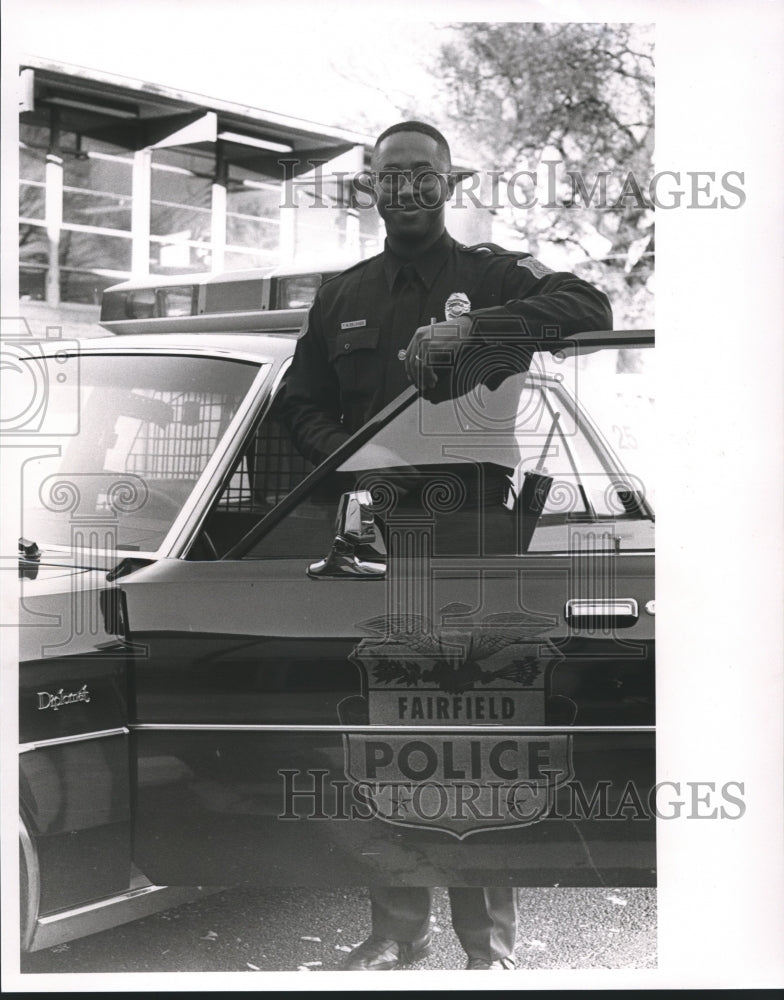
(485, 920)
(400, 913)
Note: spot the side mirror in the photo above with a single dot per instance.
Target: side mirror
(354, 521)
(354, 526)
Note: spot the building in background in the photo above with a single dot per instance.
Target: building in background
(121, 178)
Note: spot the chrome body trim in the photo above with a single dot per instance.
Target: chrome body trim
(139, 900)
(29, 900)
(326, 728)
(76, 738)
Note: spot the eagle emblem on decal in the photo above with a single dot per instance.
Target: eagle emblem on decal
(452, 659)
(490, 675)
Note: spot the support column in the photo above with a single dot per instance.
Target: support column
(219, 209)
(287, 219)
(141, 199)
(288, 232)
(53, 211)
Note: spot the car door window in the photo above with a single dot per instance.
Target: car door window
(456, 470)
(267, 470)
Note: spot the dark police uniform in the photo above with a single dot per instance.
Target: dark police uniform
(348, 364)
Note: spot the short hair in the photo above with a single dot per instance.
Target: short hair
(421, 127)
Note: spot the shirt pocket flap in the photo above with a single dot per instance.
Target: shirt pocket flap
(360, 338)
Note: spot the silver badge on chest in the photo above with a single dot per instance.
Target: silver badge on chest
(456, 305)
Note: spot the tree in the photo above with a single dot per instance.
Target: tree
(580, 96)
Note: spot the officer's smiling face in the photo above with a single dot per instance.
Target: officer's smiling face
(412, 185)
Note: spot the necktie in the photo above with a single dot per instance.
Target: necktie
(408, 294)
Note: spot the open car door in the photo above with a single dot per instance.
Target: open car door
(435, 669)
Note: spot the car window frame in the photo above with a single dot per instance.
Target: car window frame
(590, 340)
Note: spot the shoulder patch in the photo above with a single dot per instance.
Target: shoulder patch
(536, 267)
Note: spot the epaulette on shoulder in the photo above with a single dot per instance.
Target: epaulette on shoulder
(348, 270)
(489, 248)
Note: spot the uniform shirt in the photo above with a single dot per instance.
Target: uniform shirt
(349, 359)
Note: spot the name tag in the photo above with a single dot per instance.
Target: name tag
(353, 324)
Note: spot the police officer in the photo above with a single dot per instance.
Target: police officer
(370, 332)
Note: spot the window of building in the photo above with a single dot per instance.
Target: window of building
(252, 220)
(97, 190)
(79, 230)
(93, 247)
(80, 280)
(180, 212)
(33, 245)
(318, 226)
(32, 173)
(33, 263)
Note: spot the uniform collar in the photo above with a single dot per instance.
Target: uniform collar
(427, 265)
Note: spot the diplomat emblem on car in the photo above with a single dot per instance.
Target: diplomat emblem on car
(490, 674)
(55, 701)
(458, 304)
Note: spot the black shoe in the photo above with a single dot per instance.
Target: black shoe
(379, 954)
(499, 963)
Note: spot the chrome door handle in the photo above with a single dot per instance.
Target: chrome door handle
(583, 610)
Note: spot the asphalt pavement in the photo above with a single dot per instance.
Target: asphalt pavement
(252, 930)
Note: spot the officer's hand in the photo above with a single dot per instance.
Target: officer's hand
(435, 345)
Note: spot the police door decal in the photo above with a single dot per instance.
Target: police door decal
(491, 674)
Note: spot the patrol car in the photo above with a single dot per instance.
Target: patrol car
(238, 669)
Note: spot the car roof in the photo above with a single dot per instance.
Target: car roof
(300, 268)
(262, 347)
